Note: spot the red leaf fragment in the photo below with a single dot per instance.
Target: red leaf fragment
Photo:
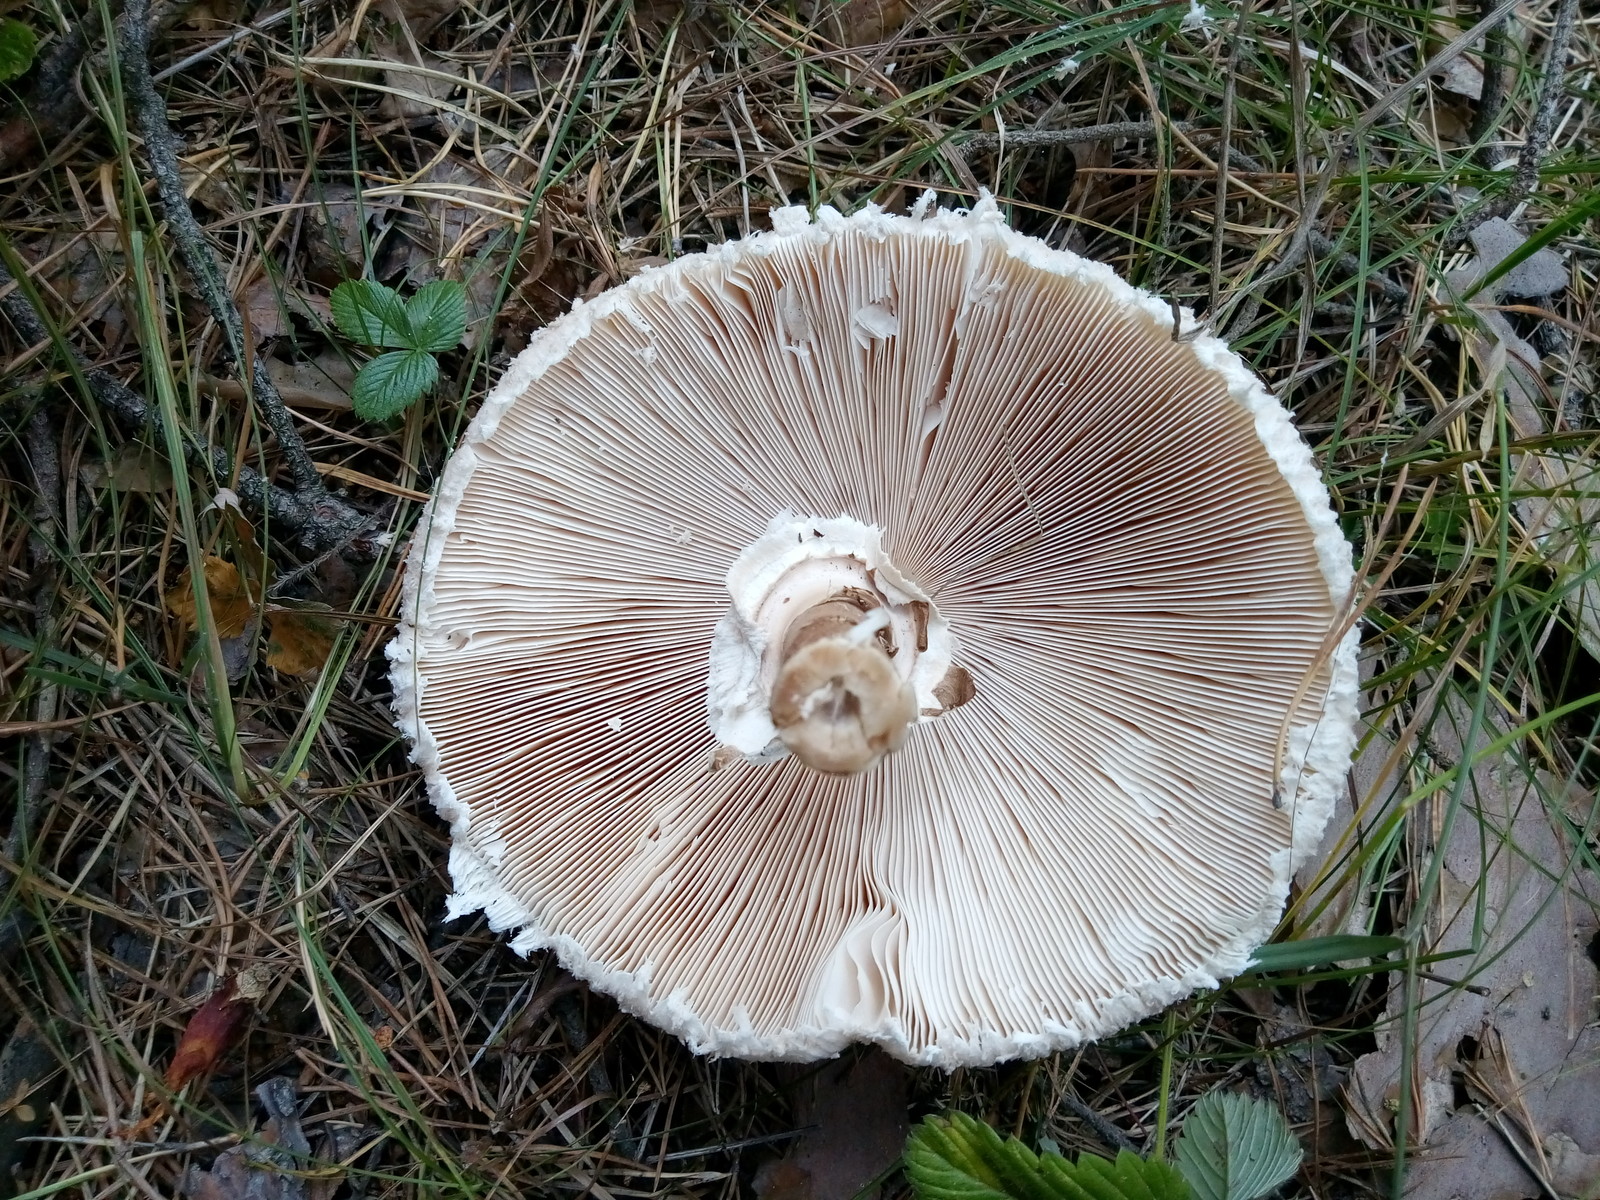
(215, 1026)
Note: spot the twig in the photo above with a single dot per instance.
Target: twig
(1494, 78)
(1103, 1129)
(1537, 139)
(39, 446)
(217, 47)
(318, 524)
(570, 1013)
(159, 146)
(1219, 212)
(985, 140)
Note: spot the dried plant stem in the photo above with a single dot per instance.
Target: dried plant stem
(318, 523)
(1018, 138)
(151, 112)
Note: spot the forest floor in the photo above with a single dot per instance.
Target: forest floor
(1390, 211)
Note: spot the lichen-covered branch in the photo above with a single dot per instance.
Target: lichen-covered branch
(151, 112)
(317, 522)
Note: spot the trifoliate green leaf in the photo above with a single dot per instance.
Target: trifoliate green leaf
(372, 314)
(17, 47)
(1235, 1148)
(959, 1158)
(438, 316)
(390, 382)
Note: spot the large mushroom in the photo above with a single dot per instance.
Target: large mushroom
(882, 629)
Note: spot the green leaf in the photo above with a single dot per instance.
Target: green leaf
(390, 382)
(438, 315)
(1235, 1148)
(372, 314)
(1314, 952)
(17, 46)
(958, 1158)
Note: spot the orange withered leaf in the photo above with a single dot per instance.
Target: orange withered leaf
(215, 1026)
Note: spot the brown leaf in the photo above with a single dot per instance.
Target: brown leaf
(273, 1167)
(231, 606)
(857, 1109)
(1513, 916)
(212, 1029)
(321, 382)
(864, 22)
(262, 305)
(298, 642)
(130, 468)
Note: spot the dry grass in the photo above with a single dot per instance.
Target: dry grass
(545, 151)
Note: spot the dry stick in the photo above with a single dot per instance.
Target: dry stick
(318, 525)
(1219, 215)
(1537, 138)
(39, 446)
(1494, 79)
(1104, 1129)
(570, 1013)
(1018, 138)
(159, 145)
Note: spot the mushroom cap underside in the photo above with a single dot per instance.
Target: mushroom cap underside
(1128, 539)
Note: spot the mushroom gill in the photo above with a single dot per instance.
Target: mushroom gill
(1089, 569)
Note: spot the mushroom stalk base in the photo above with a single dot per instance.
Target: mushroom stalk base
(837, 702)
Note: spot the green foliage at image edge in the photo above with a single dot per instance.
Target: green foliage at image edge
(1231, 1148)
(18, 44)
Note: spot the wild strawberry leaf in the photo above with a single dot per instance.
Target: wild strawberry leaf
(958, 1158)
(390, 382)
(372, 314)
(438, 316)
(1235, 1148)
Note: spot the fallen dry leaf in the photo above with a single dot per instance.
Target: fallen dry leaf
(212, 1029)
(298, 641)
(129, 468)
(321, 382)
(273, 1166)
(231, 605)
(864, 22)
(414, 93)
(262, 306)
(856, 1108)
(216, 1024)
(1518, 1056)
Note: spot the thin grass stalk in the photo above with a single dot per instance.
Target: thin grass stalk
(157, 371)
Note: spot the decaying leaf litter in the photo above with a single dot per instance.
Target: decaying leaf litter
(188, 810)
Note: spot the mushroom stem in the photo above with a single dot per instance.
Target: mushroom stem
(837, 702)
